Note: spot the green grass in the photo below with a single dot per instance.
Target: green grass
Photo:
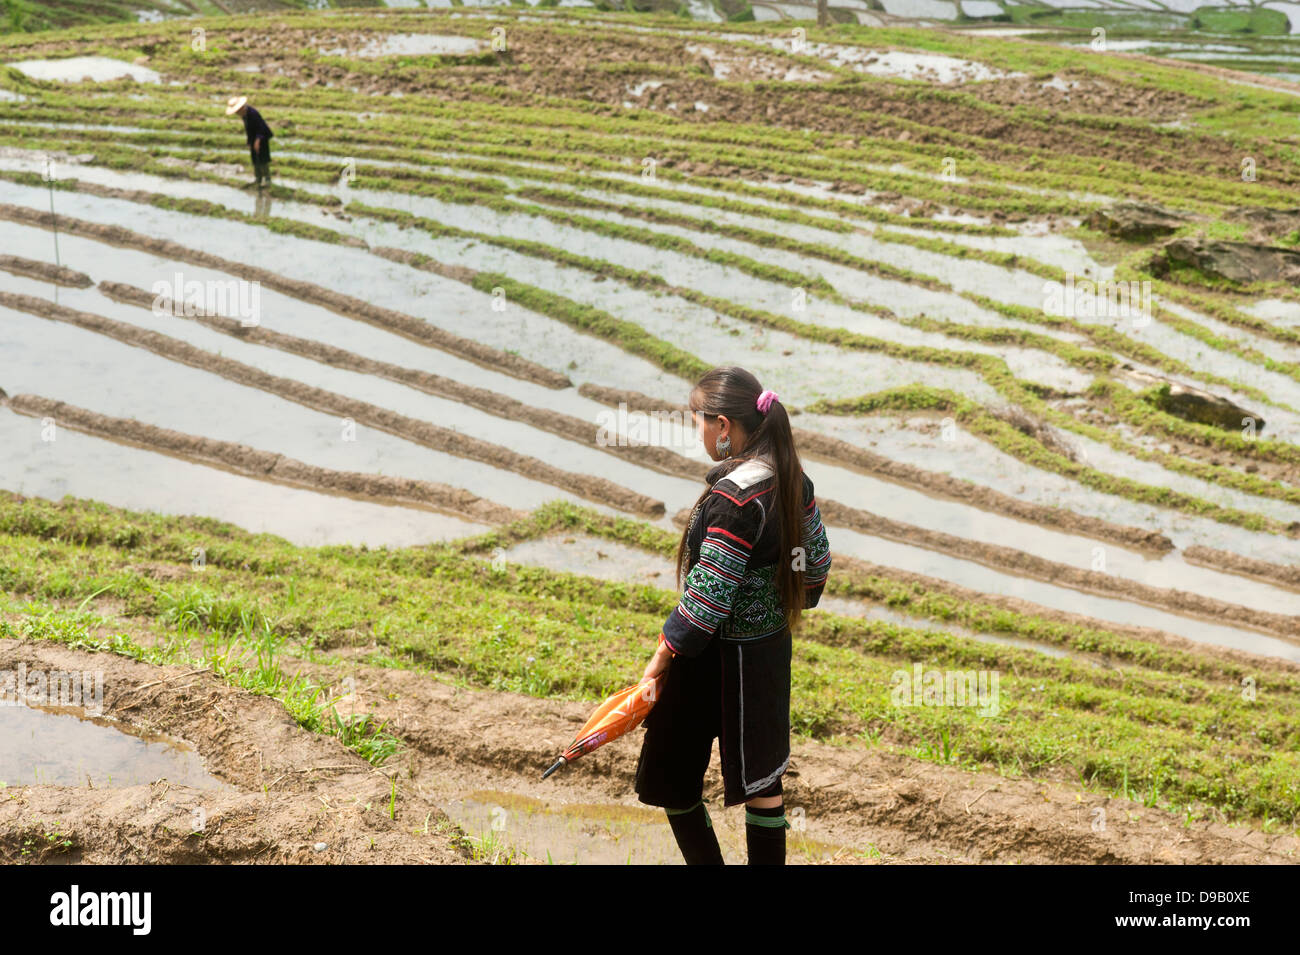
(1256, 20)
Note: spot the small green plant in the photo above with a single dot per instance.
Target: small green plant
(492, 849)
(359, 732)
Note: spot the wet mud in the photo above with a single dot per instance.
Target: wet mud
(45, 271)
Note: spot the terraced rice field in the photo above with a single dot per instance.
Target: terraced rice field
(498, 239)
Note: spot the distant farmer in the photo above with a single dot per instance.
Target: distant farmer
(259, 138)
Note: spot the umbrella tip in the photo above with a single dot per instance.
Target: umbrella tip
(556, 765)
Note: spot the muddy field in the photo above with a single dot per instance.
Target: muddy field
(478, 290)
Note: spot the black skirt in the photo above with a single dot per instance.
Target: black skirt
(738, 693)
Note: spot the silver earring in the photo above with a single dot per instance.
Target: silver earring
(723, 446)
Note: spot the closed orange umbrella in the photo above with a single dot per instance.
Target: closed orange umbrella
(620, 714)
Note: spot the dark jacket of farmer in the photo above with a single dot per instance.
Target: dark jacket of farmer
(255, 126)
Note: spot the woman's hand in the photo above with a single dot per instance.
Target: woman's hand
(659, 662)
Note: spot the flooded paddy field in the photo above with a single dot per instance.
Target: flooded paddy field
(417, 407)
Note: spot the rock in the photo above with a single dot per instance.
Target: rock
(1266, 225)
(1243, 262)
(1193, 404)
(320, 847)
(1138, 220)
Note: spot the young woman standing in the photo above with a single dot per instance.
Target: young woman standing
(753, 556)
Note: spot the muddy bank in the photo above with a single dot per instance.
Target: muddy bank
(295, 790)
(458, 273)
(838, 452)
(45, 272)
(318, 399)
(494, 403)
(1285, 576)
(398, 323)
(266, 465)
(852, 796)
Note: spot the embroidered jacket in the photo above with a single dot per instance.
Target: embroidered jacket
(735, 545)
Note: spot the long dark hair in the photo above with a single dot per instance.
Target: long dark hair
(734, 392)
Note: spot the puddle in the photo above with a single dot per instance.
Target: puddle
(611, 560)
(96, 69)
(899, 64)
(905, 298)
(704, 11)
(902, 64)
(1200, 356)
(507, 825)
(808, 369)
(1105, 458)
(919, 509)
(519, 436)
(594, 557)
(142, 383)
(63, 746)
(412, 44)
(294, 317)
(725, 63)
(1047, 247)
(640, 88)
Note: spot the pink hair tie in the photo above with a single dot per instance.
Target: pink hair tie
(765, 400)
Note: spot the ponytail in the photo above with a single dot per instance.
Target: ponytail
(734, 392)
